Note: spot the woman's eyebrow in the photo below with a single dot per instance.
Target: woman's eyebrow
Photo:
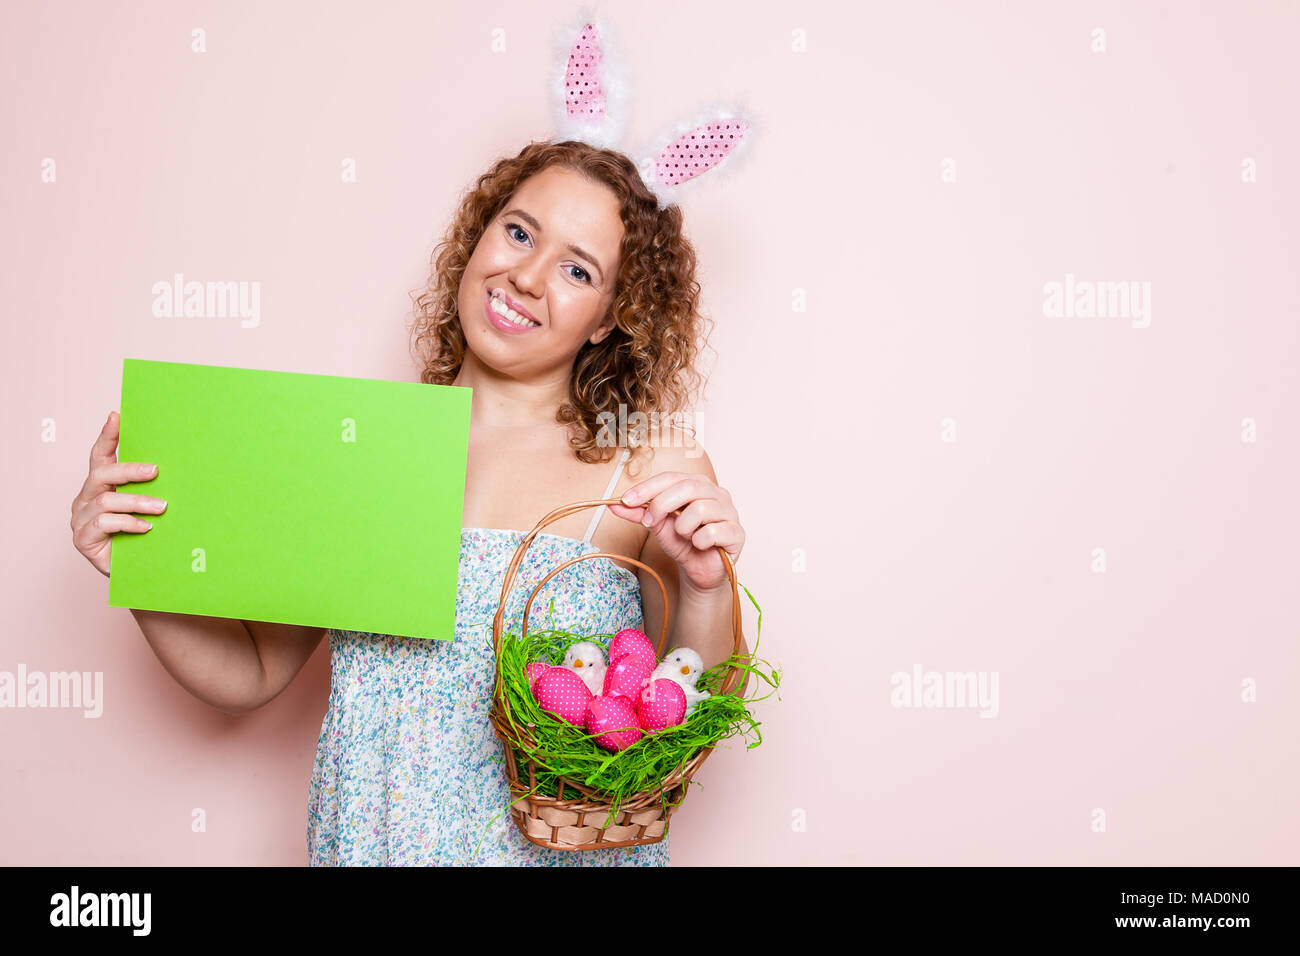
(577, 251)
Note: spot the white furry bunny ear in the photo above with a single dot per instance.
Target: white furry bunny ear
(705, 143)
(589, 96)
(589, 93)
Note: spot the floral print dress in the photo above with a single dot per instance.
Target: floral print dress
(408, 770)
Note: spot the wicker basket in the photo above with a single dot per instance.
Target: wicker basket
(574, 823)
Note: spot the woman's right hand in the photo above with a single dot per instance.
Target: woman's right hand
(98, 511)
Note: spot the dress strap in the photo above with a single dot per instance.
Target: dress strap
(609, 490)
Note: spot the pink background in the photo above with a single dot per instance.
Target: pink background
(1119, 691)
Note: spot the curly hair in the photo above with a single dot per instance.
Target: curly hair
(647, 362)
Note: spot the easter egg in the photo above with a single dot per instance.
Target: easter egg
(561, 692)
(662, 704)
(535, 670)
(627, 676)
(631, 641)
(614, 719)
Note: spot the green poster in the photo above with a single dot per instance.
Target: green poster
(299, 499)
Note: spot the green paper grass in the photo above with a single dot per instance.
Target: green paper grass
(563, 750)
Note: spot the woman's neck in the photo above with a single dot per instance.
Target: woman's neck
(504, 402)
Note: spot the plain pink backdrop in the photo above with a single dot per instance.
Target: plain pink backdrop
(924, 302)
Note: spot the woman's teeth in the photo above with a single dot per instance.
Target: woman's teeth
(503, 310)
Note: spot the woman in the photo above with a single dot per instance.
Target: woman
(566, 298)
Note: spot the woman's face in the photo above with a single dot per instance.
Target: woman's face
(552, 256)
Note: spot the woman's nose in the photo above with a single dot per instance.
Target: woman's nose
(527, 275)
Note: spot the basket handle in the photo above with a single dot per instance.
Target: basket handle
(663, 631)
(498, 622)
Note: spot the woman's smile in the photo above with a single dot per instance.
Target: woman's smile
(505, 318)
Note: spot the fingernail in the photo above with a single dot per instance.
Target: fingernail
(148, 469)
(647, 519)
(630, 498)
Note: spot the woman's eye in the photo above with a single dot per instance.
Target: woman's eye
(513, 228)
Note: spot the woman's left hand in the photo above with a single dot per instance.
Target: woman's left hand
(690, 516)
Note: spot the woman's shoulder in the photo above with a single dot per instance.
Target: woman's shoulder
(673, 449)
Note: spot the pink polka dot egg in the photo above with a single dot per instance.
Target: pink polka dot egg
(614, 719)
(627, 677)
(661, 705)
(561, 692)
(634, 642)
(535, 670)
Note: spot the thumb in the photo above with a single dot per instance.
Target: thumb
(631, 513)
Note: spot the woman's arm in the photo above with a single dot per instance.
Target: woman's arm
(698, 619)
(233, 665)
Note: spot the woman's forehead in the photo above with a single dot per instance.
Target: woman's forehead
(562, 200)
(573, 210)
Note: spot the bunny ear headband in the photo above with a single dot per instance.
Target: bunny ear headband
(589, 95)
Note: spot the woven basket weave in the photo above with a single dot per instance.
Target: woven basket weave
(574, 823)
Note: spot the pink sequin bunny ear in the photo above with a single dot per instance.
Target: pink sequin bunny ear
(588, 91)
(589, 96)
(711, 142)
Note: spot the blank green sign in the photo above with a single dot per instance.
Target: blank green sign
(299, 499)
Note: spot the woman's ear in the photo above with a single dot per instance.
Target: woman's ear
(605, 328)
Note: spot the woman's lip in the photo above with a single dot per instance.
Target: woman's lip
(505, 325)
(516, 306)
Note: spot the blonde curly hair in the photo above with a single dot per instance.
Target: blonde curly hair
(646, 364)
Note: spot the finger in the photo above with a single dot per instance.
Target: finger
(623, 511)
(111, 474)
(701, 511)
(728, 534)
(678, 494)
(106, 523)
(105, 447)
(643, 491)
(116, 502)
(107, 475)
(635, 515)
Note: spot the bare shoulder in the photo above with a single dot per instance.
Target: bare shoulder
(671, 450)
